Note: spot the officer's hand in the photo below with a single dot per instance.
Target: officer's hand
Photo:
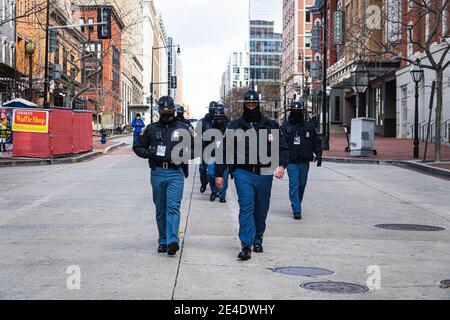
(219, 182)
(318, 159)
(279, 172)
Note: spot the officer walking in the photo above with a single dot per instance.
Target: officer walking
(304, 142)
(180, 115)
(253, 182)
(206, 125)
(167, 178)
(220, 122)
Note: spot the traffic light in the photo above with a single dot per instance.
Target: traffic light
(53, 35)
(104, 16)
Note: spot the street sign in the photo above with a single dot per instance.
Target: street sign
(338, 26)
(53, 43)
(173, 82)
(104, 16)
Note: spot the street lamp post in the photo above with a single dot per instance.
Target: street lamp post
(151, 82)
(417, 75)
(360, 83)
(325, 139)
(327, 131)
(30, 48)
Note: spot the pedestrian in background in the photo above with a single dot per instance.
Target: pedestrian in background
(167, 178)
(220, 122)
(138, 125)
(253, 183)
(304, 146)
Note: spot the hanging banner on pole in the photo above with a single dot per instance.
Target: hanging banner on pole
(30, 121)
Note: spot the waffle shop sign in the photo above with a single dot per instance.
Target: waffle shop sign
(30, 121)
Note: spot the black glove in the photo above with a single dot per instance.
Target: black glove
(318, 159)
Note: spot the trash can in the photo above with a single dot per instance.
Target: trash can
(362, 137)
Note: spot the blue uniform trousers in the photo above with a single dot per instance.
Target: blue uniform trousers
(254, 200)
(167, 185)
(212, 181)
(298, 177)
(203, 169)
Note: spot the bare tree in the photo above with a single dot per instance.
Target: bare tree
(233, 102)
(390, 31)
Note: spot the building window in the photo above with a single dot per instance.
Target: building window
(82, 21)
(307, 16)
(91, 21)
(308, 39)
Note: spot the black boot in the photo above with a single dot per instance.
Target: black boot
(223, 200)
(213, 196)
(203, 188)
(297, 216)
(245, 254)
(173, 248)
(162, 248)
(258, 248)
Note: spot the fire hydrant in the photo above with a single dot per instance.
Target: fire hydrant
(104, 133)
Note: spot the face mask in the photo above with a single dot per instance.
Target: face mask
(219, 124)
(297, 116)
(252, 115)
(167, 118)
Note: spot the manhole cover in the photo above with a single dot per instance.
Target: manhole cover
(334, 287)
(303, 271)
(445, 283)
(409, 227)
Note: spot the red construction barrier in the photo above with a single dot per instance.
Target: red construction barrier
(61, 131)
(34, 145)
(82, 132)
(69, 133)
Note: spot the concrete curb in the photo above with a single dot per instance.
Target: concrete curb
(45, 162)
(404, 163)
(113, 147)
(427, 168)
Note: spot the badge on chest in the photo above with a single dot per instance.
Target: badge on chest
(297, 140)
(161, 151)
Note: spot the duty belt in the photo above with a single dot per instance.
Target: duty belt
(252, 169)
(166, 165)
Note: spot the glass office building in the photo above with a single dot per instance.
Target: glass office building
(265, 48)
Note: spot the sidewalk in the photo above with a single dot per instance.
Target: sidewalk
(387, 149)
(98, 150)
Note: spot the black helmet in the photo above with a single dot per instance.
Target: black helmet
(251, 95)
(212, 107)
(251, 98)
(219, 112)
(213, 104)
(297, 105)
(180, 109)
(138, 115)
(166, 105)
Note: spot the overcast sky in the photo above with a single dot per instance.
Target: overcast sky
(207, 31)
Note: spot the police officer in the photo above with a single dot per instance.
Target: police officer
(220, 122)
(253, 182)
(304, 146)
(206, 125)
(180, 115)
(167, 178)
